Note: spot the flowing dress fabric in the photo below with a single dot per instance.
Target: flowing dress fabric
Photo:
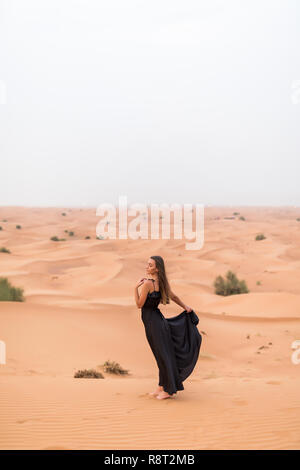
(175, 343)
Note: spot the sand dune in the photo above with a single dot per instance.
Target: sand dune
(80, 311)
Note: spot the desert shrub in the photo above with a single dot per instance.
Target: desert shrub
(56, 239)
(298, 219)
(4, 250)
(242, 217)
(236, 213)
(260, 236)
(114, 368)
(1, 228)
(88, 374)
(18, 226)
(63, 213)
(10, 293)
(230, 286)
(71, 234)
(87, 237)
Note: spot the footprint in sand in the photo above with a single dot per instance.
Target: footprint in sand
(22, 421)
(239, 402)
(131, 409)
(33, 372)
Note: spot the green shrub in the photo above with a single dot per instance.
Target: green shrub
(260, 236)
(56, 239)
(4, 250)
(10, 293)
(230, 286)
(88, 374)
(114, 368)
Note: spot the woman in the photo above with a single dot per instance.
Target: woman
(176, 341)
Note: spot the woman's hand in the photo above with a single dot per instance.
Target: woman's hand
(188, 309)
(140, 282)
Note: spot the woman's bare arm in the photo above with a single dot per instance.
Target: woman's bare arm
(140, 299)
(177, 301)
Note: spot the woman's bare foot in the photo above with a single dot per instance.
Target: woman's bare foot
(159, 389)
(162, 395)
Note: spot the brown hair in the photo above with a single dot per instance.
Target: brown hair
(164, 286)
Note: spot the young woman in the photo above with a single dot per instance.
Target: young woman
(175, 342)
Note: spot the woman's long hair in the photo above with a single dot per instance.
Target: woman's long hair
(164, 286)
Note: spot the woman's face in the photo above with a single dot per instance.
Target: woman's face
(150, 267)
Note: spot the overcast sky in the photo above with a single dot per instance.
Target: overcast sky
(190, 101)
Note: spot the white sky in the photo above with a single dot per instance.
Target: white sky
(163, 101)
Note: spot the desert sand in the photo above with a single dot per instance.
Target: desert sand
(80, 311)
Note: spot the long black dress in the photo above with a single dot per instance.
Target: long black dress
(175, 342)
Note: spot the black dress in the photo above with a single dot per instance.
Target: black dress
(175, 342)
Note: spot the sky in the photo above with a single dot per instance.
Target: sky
(164, 101)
